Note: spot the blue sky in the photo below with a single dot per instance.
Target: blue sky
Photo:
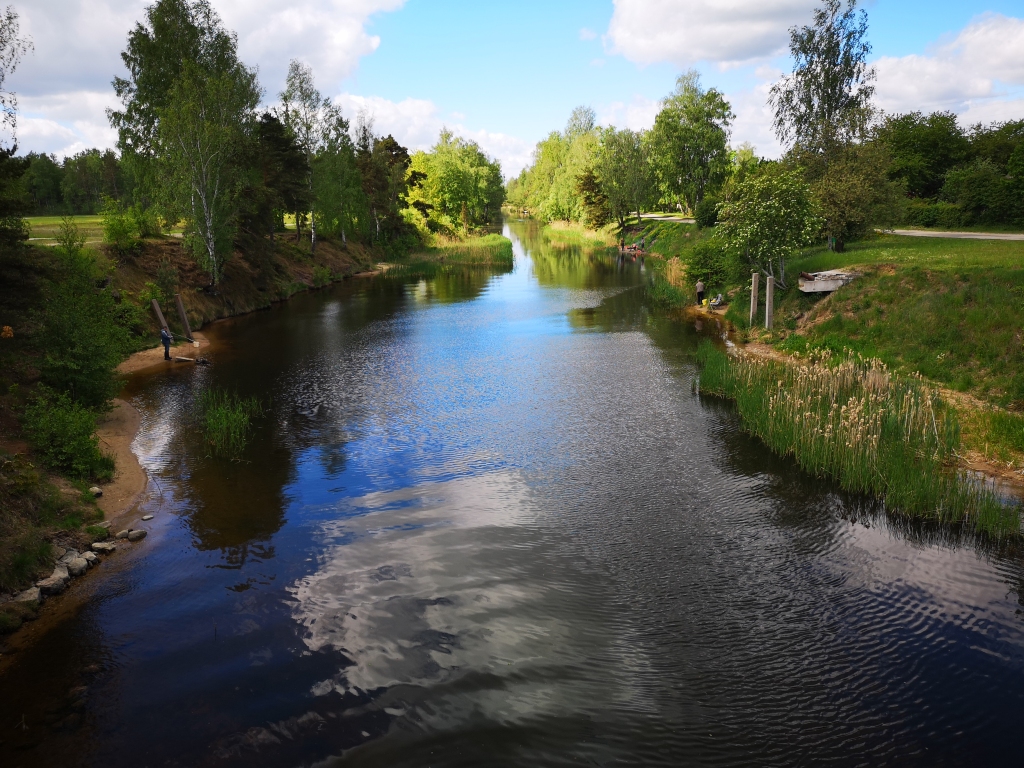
(506, 74)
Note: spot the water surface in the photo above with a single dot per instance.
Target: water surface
(487, 522)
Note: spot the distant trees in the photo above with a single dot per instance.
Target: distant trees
(627, 177)
(455, 185)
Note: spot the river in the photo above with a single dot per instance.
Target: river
(486, 521)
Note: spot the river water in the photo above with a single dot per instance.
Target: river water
(486, 521)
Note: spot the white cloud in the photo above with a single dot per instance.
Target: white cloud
(977, 72)
(637, 115)
(78, 45)
(685, 32)
(416, 123)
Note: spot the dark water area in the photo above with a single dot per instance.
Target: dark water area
(486, 521)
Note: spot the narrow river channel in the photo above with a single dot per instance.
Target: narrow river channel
(487, 522)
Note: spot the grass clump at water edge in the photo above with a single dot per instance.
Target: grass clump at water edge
(857, 422)
(226, 420)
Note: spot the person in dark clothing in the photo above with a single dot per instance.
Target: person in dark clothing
(165, 339)
(700, 293)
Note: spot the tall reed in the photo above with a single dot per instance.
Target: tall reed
(869, 428)
(226, 420)
(489, 249)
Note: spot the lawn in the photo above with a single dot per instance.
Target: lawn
(927, 252)
(45, 227)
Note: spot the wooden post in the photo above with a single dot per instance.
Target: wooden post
(183, 316)
(754, 278)
(159, 314)
(769, 303)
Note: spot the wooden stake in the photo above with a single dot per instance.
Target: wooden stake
(754, 278)
(769, 303)
(159, 314)
(183, 316)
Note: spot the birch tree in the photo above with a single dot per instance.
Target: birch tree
(202, 132)
(312, 118)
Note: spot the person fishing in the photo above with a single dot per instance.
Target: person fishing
(700, 293)
(165, 339)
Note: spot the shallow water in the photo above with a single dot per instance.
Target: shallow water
(487, 522)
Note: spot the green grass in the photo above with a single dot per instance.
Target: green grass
(226, 420)
(486, 250)
(862, 425)
(45, 227)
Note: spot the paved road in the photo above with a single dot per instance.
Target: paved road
(677, 219)
(956, 235)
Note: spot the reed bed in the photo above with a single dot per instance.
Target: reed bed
(226, 420)
(870, 429)
(489, 249)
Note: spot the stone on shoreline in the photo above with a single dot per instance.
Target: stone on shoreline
(68, 556)
(104, 524)
(78, 566)
(121, 534)
(91, 558)
(96, 491)
(59, 552)
(56, 583)
(30, 595)
(104, 547)
(147, 517)
(136, 535)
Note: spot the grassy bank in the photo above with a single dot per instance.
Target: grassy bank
(490, 249)
(857, 422)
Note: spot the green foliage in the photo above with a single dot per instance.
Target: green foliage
(706, 212)
(923, 213)
(592, 199)
(708, 261)
(490, 249)
(624, 168)
(983, 193)
(825, 103)
(62, 432)
(119, 227)
(226, 420)
(321, 276)
(923, 149)
(772, 219)
(855, 421)
(689, 141)
(70, 240)
(88, 179)
(1006, 429)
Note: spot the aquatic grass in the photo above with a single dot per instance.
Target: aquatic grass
(854, 420)
(226, 420)
(492, 249)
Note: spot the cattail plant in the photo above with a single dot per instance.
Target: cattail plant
(856, 421)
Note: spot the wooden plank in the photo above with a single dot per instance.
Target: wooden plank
(159, 314)
(769, 303)
(183, 316)
(754, 278)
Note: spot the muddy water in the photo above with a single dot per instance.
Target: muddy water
(486, 522)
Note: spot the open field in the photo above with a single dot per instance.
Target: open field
(45, 228)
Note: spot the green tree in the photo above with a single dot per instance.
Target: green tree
(12, 49)
(595, 201)
(277, 183)
(773, 217)
(690, 141)
(203, 136)
(42, 181)
(178, 35)
(383, 166)
(624, 168)
(923, 149)
(825, 103)
(340, 203)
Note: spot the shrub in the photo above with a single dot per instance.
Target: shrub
(706, 213)
(120, 229)
(321, 276)
(924, 213)
(145, 221)
(63, 433)
(707, 261)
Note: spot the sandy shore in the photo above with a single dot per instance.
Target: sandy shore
(151, 358)
(116, 431)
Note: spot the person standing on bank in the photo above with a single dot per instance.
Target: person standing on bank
(165, 339)
(700, 293)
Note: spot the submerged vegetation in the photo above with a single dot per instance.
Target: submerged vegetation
(227, 420)
(857, 422)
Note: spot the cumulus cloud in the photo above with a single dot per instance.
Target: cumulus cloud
(78, 45)
(416, 123)
(637, 114)
(977, 72)
(684, 32)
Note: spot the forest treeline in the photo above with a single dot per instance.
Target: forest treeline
(861, 167)
(196, 146)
